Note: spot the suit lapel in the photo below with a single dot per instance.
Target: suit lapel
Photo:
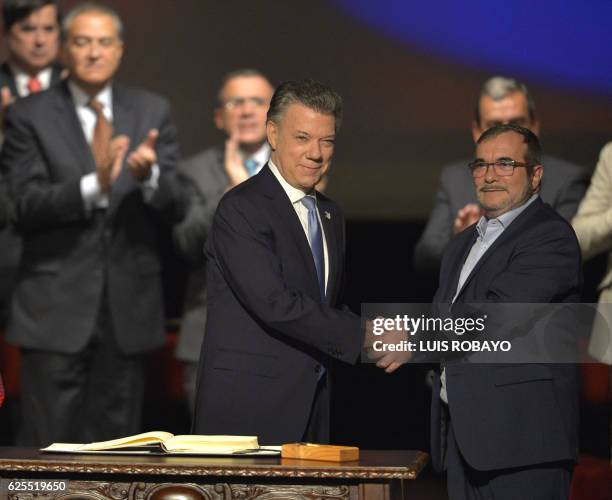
(124, 121)
(69, 128)
(56, 73)
(123, 115)
(457, 265)
(8, 78)
(286, 211)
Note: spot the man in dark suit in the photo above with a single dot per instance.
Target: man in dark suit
(244, 97)
(275, 272)
(502, 100)
(92, 171)
(508, 431)
(31, 31)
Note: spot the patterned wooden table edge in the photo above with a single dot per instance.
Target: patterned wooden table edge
(267, 470)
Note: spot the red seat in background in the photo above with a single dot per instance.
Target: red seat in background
(592, 478)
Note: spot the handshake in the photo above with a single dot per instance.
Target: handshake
(389, 348)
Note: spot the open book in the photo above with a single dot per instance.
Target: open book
(165, 442)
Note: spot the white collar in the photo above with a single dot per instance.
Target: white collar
(22, 79)
(293, 193)
(82, 99)
(260, 156)
(504, 219)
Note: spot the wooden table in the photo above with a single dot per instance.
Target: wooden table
(377, 475)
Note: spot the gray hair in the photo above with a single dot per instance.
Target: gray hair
(533, 156)
(310, 93)
(91, 7)
(500, 87)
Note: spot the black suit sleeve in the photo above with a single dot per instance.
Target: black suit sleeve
(170, 197)
(239, 240)
(191, 233)
(4, 210)
(545, 267)
(40, 201)
(5, 204)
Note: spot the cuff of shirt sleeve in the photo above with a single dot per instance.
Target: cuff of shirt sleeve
(90, 190)
(150, 185)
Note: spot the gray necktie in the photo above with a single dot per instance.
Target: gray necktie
(316, 241)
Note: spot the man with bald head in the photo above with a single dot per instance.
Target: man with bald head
(501, 100)
(91, 165)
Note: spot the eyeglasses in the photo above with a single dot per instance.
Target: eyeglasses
(502, 168)
(238, 102)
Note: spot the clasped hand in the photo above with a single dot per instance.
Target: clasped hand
(388, 349)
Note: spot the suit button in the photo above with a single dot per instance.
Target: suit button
(317, 369)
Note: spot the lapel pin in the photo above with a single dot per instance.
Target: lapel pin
(327, 215)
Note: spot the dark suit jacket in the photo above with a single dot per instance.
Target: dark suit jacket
(267, 331)
(563, 186)
(7, 79)
(70, 256)
(206, 184)
(10, 244)
(512, 415)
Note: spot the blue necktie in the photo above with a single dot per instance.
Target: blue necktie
(251, 166)
(316, 241)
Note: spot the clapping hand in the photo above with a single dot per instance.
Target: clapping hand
(233, 162)
(143, 157)
(466, 216)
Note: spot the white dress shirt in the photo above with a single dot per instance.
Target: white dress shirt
(295, 196)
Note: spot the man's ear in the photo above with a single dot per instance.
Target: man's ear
(219, 119)
(272, 133)
(536, 178)
(121, 50)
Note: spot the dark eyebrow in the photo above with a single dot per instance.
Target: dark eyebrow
(504, 158)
